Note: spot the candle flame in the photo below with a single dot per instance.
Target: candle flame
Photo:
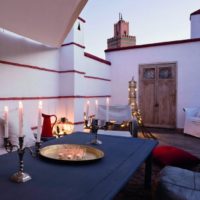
(107, 100)
(20, 105)
(88, 102)
(96, 102)
(40, 104)
(6, 108)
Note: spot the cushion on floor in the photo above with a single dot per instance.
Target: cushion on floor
(169, 155)
(178, 184)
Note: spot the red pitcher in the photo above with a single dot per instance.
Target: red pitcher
(47, 126)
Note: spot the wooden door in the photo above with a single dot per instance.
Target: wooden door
(157, 94)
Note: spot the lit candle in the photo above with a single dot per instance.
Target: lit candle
(87, 109)
(39, 121)
(96, 109)
(6, 121)
(107, 109)
(20, 119)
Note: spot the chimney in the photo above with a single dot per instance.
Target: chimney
(195, 24)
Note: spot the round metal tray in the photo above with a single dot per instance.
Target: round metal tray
(71, 153)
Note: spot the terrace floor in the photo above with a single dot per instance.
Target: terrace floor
(134, 189)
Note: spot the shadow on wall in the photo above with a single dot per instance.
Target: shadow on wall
(13, 46)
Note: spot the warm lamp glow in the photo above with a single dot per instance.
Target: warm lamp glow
(63, 127)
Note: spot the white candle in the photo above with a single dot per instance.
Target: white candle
(96, 109)
(39, 121)
(107, 109)
(21, 119)
(87, 109)
(6, 121)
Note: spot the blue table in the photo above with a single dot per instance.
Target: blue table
(98, 180)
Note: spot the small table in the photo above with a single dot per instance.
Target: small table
(98, 180)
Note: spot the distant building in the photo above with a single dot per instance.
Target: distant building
(121, 35)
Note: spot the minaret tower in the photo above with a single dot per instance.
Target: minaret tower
(121, 35)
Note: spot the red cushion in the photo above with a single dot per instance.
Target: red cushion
(168, 155)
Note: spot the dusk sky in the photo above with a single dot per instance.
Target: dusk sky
(149, 20)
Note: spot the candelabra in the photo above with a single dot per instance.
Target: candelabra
(94, 129)
(20, 176)
(86, 121)
(8, 146)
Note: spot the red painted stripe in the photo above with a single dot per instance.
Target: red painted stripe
(101, 96)
(97, 58)
(155, 44)
(53, 97)
(73, 43)
(81, 19)
(98, 78)
(39, 68)
(49, 70)
(27, 66)
(72, 71)
(34, 127)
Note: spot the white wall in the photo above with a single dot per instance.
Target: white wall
(23, 51)
(77, 84)
(91, 87)
(19, 82)
(63, 93)
(75, 35)
(125, 64)
(97, 69)
(66, 58)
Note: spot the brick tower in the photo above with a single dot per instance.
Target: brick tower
(121, 35)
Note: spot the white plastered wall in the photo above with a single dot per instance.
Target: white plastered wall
(125, 64)
(27, 82)
(66, 91)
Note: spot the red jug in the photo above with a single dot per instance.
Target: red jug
(47, 126)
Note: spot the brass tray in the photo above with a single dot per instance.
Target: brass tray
(71, 153)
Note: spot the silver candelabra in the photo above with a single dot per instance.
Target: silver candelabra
(20, 176)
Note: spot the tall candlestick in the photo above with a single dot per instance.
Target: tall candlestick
(6, 121)
(21, 119)
(87, 109)
(39, 121)
(96, 109)
(107, 109)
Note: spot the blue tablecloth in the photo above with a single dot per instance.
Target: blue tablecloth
(97, 180)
